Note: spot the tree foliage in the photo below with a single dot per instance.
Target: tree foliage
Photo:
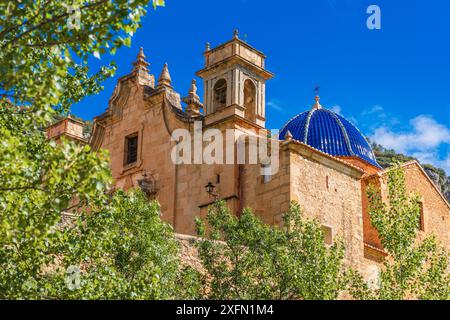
(247, 259)
(119, 244)
(45, 46)
(117, 247)
(38, 180)
(124, 251)
(413, 268)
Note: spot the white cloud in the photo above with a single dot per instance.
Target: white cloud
(431, 157)
(426, 134)
(374, 109)
(422, 140)
(445, 164)
(275, 104)
(336, 109)
(377, 116)
(434, 159)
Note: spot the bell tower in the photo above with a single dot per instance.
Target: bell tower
(234, 80)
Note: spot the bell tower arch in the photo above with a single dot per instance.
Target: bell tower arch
(251, 109)
(234, 81)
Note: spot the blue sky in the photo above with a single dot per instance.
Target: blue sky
(393, 83)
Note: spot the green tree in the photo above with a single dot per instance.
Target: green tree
(123, 251)
(44, 70)
(45, 46)
(413, 268)
(38, 180)
(247, 259)
(119, 242)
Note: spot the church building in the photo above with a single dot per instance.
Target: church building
(324, 161)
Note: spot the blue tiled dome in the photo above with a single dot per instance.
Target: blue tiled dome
(329, 132)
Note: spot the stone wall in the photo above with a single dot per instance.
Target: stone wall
(188, 251)
(436, 214)
(270, 198)
(333, 197)
(436, 211)
(327, 188)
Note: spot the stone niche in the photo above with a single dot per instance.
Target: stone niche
(149, 185)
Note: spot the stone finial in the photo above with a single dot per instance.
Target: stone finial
(236, 34)
(317, 105)
(208, 46)
(193, 101)
(141, 54)
(288, 136)
(141, 72)
(140, 63)
(193, 89)
(164, 78)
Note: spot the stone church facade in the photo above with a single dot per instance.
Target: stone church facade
(325, 163)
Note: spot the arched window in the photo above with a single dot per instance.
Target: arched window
(250, 99)
(220, 94)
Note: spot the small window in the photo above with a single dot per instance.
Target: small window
(131, 149)
(327, 235)
(328, 182)
(422, 218)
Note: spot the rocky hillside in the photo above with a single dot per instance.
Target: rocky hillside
(386, 157)
(440, 179)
